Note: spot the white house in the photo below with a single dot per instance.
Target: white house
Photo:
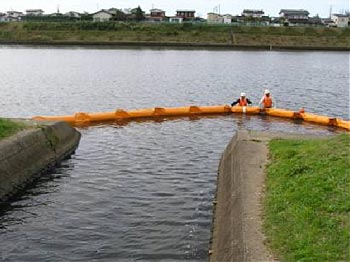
(294, 14)
(227, 19)
(14, 13)
(102, 16)
(34, 12)
(214, 18)
(175, 19)
(340, 20)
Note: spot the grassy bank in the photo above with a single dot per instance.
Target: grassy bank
(307, 204)
(8, 128)
(187, 33)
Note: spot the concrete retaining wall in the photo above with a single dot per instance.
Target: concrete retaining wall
(26, 155)
(237, 221)
(236, 233)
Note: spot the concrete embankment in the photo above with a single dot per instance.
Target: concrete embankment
(237, 220)
(29, 153)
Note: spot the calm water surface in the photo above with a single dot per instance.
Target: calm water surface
(143, 191)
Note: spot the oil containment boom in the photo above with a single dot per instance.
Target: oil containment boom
(85, 119)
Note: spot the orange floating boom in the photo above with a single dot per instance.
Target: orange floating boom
(82, 118)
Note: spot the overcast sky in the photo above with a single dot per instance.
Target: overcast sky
(202, 7)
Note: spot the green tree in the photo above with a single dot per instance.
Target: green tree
(119, 16)
(139, 14)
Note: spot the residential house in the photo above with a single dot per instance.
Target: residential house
(315, 21)
(14, 14)
(156, 15)
(340, 20)
(186, 14)
(227, 18)
(102, 16)
(11, 16)
(214, 18)
(328, 22)
(34, 12)
(294, 16)
(73, 14)
(253, 13)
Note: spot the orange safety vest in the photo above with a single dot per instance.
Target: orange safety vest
(243, 102)
(267, 101)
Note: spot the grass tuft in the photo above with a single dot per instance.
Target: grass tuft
(8, 128)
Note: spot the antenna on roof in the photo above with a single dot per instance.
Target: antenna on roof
(58, 9)
(330, 11)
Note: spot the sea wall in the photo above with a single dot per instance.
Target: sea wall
(29, 153)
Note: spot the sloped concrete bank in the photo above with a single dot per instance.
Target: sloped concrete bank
(29, 153)
(237, 220)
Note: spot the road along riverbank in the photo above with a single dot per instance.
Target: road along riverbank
(237, 233)
(30, 152)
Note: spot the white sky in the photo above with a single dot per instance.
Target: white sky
(234, 7)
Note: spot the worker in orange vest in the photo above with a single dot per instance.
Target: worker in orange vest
(242, 101)
(266, 100)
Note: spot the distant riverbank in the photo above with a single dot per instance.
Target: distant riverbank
(175, 35)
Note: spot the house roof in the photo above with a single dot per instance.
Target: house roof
(155, 10)
(102, 11)
(253, 11)
(14, 12)
(185, 10)
(72, 13)
(294, 12)
(34, 10)
(340, 15)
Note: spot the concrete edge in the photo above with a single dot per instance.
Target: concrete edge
(238, 206)
(32, 151)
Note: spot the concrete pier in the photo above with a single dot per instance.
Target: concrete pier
(29, 153)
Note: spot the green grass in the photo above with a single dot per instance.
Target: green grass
(8, 128)
(307, 203)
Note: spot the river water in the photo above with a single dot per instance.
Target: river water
(143, 191)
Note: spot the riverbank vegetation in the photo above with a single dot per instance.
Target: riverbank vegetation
(307, 204)
(8, 128)
(187, 33)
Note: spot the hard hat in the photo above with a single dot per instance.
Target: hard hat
(267, 91)
(242, 94)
